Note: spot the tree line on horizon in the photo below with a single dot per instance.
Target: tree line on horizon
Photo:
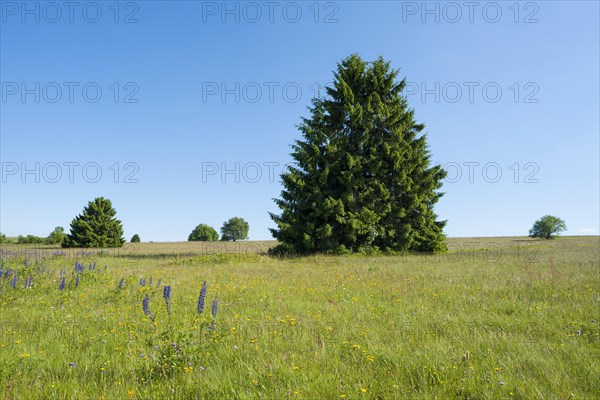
(236, 228)
(362, 181)
(98, 227)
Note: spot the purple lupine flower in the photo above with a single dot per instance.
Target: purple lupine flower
(142, 281)
(29, 281)
(61, 286)
(77, 281)
(167, 296)
(146, 307)
(201, 298)
(13, 284)
(121, 283)
(159, 282)
(215, 307)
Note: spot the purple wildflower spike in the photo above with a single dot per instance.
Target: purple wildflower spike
(61, 286)
(121, 283)
(146, 308)
(215, 307)
(13, 284)
(201, 298)
(29, 282)
(167, 296)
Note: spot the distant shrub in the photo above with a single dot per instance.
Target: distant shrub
(235, 229)
(57, 236)
(547, 226)
(203, 233)
(135, 238)
(30, 239)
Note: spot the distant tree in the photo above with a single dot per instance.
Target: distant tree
(2, 238)
(203, 233)
(96, 227)
(56, 236)
(235, 229)
(135, 238)
(547, 226)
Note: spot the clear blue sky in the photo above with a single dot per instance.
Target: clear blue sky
(202, 87)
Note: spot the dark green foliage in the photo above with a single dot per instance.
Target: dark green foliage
(135, 238)
(235, 229)
(547, 226)
(56, 236)
(96, 227)
(203, 233)
(30, 239)
(362, 180)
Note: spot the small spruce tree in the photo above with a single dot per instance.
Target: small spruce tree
(96, 227)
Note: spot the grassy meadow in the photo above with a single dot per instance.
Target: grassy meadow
(502, 318)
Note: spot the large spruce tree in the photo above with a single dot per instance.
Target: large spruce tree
(362, 179)
(96, 227)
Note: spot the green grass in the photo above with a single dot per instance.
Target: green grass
(505, 318)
